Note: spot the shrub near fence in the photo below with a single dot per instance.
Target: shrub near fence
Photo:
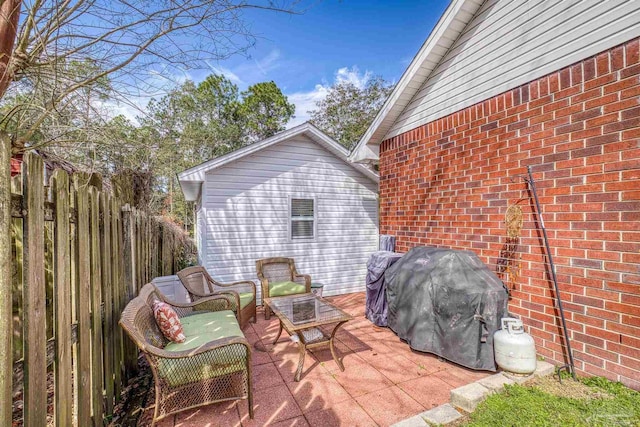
(99, 254)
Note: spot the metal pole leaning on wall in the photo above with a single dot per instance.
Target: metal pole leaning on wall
(6, 362)
(570, 367)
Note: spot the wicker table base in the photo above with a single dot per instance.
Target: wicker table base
(311, 338)
(308, 334)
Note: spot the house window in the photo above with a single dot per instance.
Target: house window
(302, 218)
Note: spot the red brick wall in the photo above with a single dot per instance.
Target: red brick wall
(448, 183)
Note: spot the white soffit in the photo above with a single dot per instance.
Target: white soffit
(451, 24)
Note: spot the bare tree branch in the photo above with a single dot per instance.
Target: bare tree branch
(66, 46)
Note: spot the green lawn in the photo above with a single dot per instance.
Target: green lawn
(546, 402)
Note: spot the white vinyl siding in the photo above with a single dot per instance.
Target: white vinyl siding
(248, 215)
(510, 43)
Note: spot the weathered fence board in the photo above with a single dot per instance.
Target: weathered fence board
(62, 301)
(83, 299)
(145, 250)
(16, 271)
(107, 294)
(128, 251)
(6, 279)
(137, 244)
(167, 259)
(128, 257)
(96, 309)
(153, 248)
(35, 339)
(97, 254)
(117, 274)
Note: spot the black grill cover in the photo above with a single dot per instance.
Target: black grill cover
(376, 308)
(448, 303)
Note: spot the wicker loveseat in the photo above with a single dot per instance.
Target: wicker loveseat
(212, 365)
(278, 277)
(199, 284)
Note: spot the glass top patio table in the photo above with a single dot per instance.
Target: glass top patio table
(301, 316)
(305, 311)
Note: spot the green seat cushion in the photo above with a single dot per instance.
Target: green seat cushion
(200, 329)
(245, 299)
(279, 289)
(204, 327)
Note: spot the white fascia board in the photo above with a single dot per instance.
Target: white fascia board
(442, 36)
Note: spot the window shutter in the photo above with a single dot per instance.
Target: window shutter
(302, 207)
(301, 229)
(302, 218)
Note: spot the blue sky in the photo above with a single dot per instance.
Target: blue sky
(350, 39)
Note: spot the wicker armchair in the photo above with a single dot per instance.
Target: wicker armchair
(278, 276)
(200, 371)
(199, 284)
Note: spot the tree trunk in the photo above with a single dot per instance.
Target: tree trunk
(9, 16)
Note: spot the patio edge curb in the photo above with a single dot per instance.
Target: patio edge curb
(470, 395)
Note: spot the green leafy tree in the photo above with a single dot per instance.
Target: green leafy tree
(265, 111)
(348, 109)
(194, 123)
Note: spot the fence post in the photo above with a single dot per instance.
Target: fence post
(6, 321)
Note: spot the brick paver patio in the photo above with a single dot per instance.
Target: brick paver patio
(384, 381)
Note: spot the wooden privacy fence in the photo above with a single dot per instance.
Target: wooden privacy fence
(82, 257)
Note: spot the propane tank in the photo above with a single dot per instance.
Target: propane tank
(515, 350)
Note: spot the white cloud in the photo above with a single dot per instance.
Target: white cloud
(352, 75)
(162, 80)
(269, 62)
(249, 72)
(306, 101)
(227, 73)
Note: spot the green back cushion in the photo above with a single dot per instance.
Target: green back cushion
(279, 289)
(200, 329)
(245, 299)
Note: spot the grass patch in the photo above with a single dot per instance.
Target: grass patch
(546, 402)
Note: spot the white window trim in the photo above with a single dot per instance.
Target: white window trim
(290, 219)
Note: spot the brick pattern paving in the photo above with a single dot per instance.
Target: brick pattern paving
(384, 381)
